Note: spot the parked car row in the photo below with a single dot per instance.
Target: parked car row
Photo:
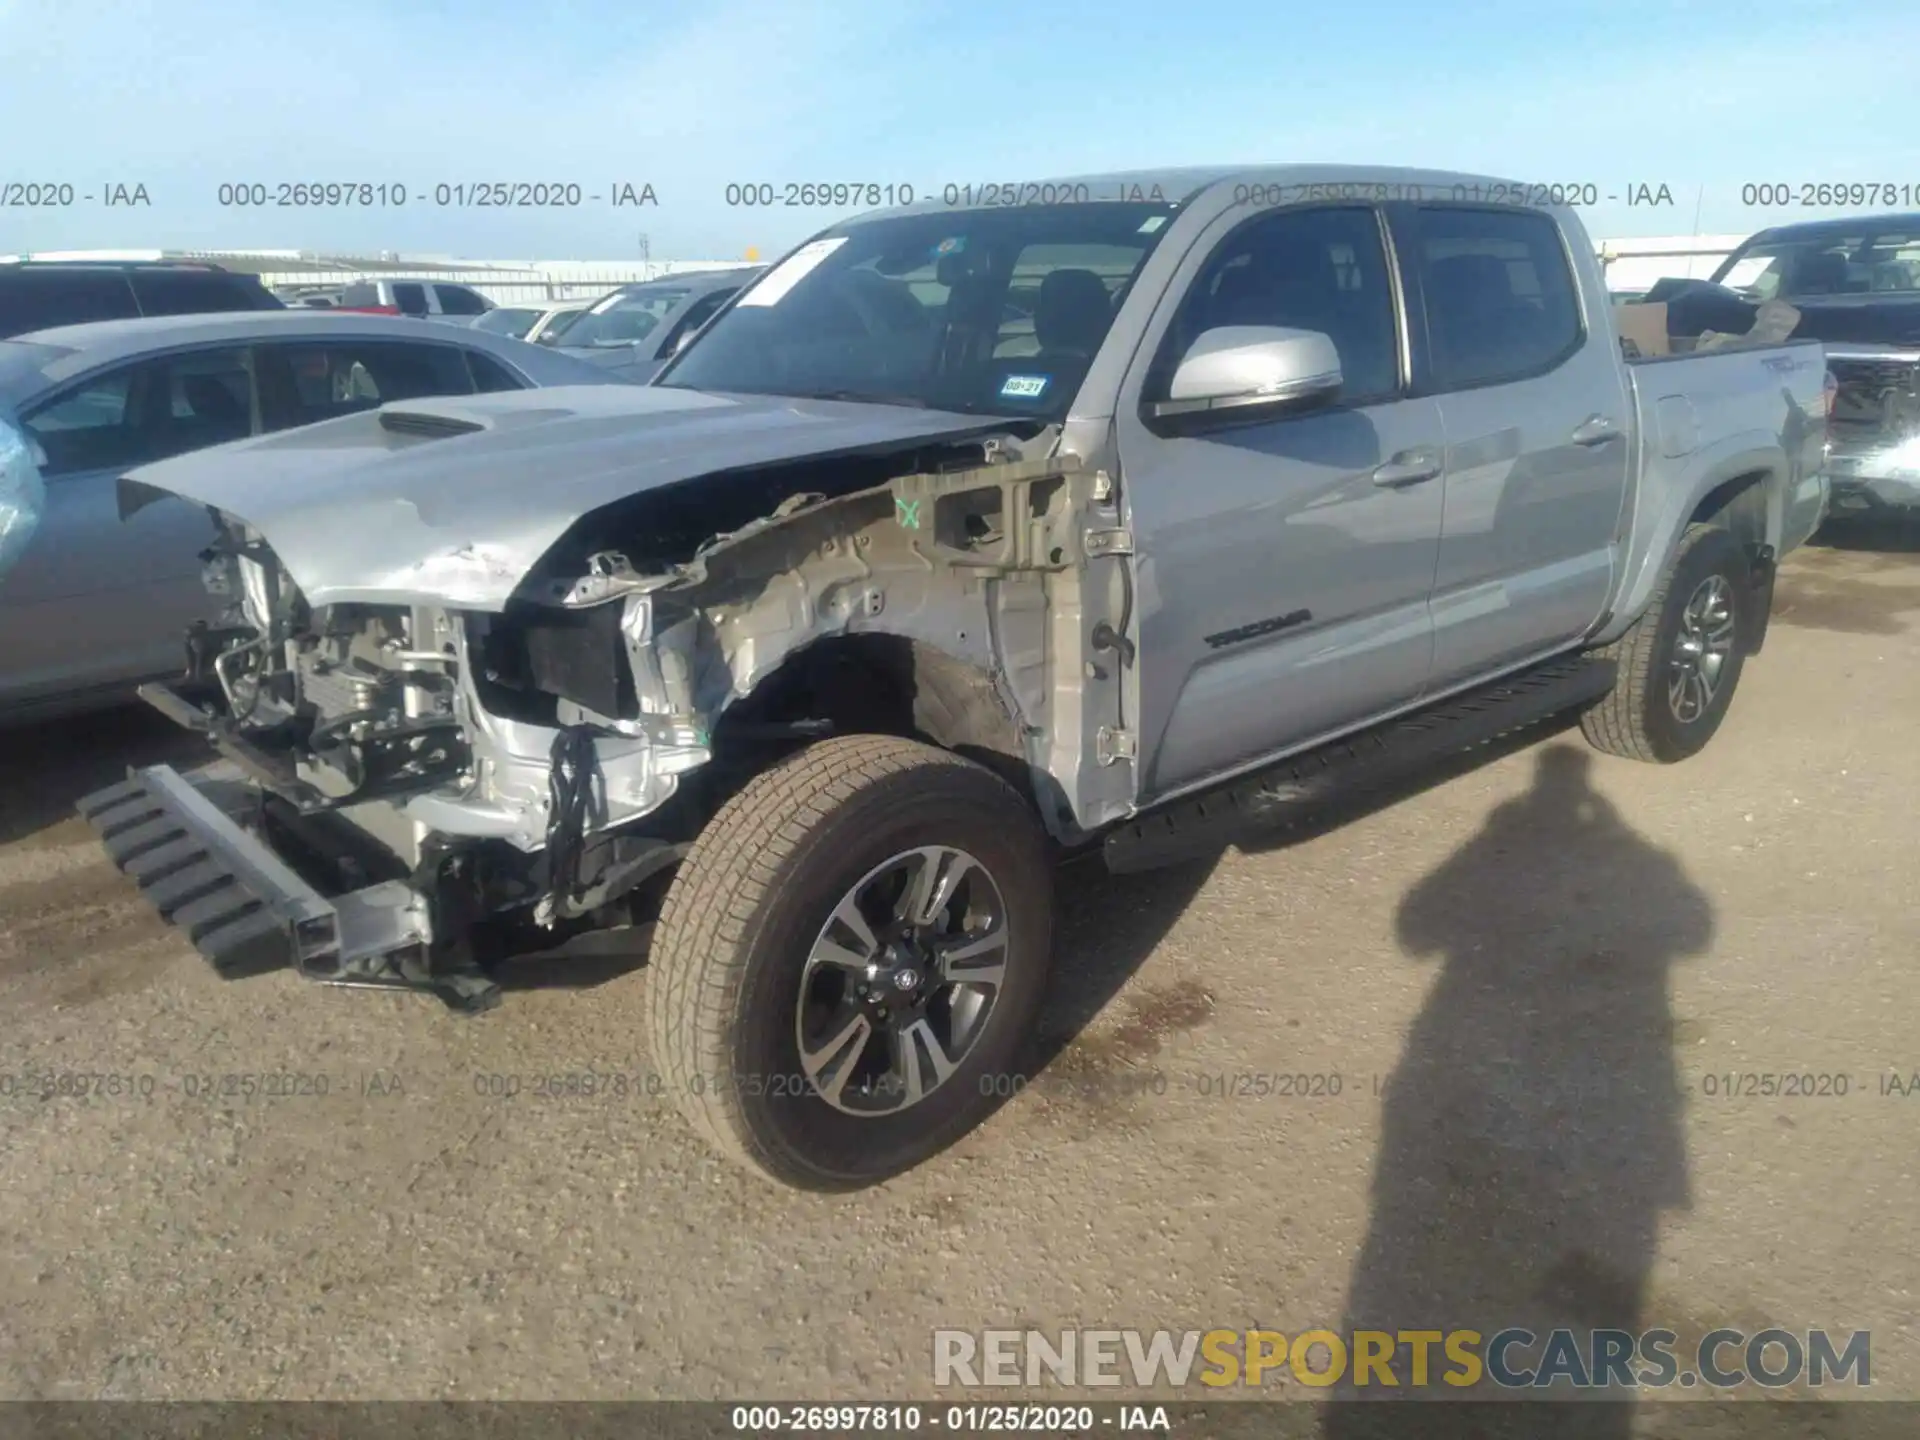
(537, 325)
(635, 330)
(98, 601)
(422, 299)
(35, 295)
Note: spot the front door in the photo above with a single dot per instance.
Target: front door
(1283, 563)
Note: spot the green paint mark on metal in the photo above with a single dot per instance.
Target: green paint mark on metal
(909, 512)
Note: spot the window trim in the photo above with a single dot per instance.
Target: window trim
(1405, 213)
(523, 381)
(73, 385)
(1235, 417)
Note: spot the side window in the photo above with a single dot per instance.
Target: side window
(86, 428)
(698, 313)
(147, 412)
(187, 292)
(410, 299)
(1315, 269)
(458, 300)
(39, 299)
(489, 375)
(1498, 294)
(304, 383)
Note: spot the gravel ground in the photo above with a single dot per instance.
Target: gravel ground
(1521, 980)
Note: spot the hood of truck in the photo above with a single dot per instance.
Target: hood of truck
(454, 501)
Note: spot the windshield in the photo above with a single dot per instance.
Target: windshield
(558, 323)
(505, 321)
(995, 311)
(625, 317)
(1838, 264)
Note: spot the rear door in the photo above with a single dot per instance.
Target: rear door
(97, 601)
(1533, 400)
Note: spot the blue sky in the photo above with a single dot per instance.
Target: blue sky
(182, 95)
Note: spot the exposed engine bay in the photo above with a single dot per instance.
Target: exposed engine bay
(538, 766)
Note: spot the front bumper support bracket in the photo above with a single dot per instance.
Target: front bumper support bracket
(247, 911)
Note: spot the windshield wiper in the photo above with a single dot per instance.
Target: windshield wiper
(864, 397)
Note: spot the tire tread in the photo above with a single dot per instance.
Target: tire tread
(701, 947)
(1617, 723)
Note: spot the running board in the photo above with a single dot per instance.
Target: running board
(1308, 784)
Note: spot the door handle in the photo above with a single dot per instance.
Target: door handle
(1409, 467)
(1595, 430)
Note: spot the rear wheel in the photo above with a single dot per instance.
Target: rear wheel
(1681, 661)
(851, 960)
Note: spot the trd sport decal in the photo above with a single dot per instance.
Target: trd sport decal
(1258, 628)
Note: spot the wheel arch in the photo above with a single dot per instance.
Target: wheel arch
(1738, 487)
(887, 684)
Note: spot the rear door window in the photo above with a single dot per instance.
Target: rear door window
(306, 382)
(189, 292)
(42, 299)
(410, 299)
(147, 411)
(1497, 293)
(458, 300)
(489, 375)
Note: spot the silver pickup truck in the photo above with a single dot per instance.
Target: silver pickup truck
(1136, 511)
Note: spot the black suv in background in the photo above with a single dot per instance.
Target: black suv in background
(38, 295)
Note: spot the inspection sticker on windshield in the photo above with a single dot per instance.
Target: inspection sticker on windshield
(1024, 387)
(775, 284)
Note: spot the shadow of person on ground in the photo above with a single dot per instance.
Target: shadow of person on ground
(1531, 1135)
(45, 768)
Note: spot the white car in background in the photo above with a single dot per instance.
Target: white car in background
(536, 324)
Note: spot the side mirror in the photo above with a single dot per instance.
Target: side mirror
(1241, 367)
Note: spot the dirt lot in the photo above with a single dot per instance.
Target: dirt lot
(1522, 982)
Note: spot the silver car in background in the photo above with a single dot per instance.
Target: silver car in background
(536, 324)
(636, 330)
(94, 605)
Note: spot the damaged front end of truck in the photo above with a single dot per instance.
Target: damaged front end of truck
(497, 750)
